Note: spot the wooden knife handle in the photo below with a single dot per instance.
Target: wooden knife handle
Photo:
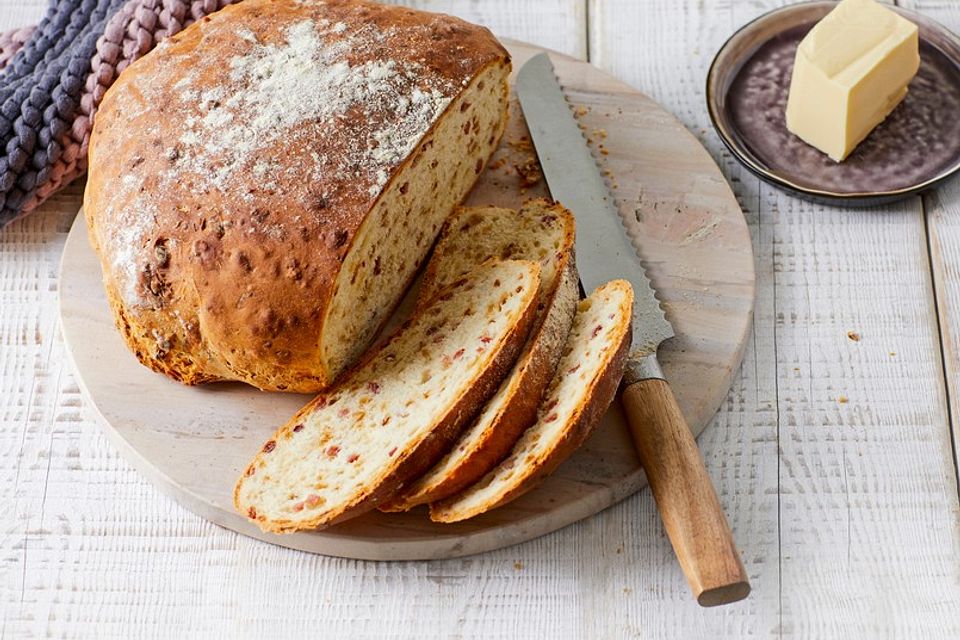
(685, 496)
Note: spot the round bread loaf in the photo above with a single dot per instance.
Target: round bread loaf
(264, 185)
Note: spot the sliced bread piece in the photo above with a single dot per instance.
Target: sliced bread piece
(540, 231)
(579, 394)
(391, 417)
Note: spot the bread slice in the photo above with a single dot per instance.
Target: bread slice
(579, 394)
(540, 231)
(399, 410)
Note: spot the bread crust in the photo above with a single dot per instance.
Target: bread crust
(209, 283)
(533, 374)
(414, 461)
(581, 425)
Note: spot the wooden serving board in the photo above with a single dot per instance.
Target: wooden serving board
(192, 442)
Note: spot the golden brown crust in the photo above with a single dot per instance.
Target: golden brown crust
(220, 265)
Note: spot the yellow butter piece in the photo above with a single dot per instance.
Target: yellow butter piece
(851, 70)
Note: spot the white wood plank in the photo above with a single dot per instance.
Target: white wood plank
(942, 208)
(554, 24)
(17, 13)
(862, 488)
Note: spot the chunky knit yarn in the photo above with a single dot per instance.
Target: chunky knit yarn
(11, 42)
(53, 77)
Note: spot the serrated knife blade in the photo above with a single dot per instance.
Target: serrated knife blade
(604, 250)
(678, 478)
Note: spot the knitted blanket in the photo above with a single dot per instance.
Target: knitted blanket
(53, 77)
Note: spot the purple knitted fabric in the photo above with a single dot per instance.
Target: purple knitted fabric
(51, 87)
(11, 42)
(39, 95)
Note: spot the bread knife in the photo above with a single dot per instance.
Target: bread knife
(687, 501)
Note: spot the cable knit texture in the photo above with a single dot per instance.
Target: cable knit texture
(53, 77)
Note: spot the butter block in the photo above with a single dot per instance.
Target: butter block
(852, 69)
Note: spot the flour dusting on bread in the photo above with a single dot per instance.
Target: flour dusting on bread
(264, 185)
(309, 77)
(273, 90)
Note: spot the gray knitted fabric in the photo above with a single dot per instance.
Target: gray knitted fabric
(39, 95)
(53, 77)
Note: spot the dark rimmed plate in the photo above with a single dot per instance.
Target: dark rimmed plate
(914, 149)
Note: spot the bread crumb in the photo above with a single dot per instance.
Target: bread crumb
(518, 565)
(529, 172)
(496, 164)
(853, 335)
(521, 144)
(843, 400)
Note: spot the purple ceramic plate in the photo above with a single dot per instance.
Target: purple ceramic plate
(914, 149)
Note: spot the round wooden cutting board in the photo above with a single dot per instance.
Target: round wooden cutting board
(192, 442)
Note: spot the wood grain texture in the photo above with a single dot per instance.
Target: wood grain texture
(942, 212)
(16, 13)
(859, 490)
(850, 528)
(193, 443)
(558, 25)
(685, 497)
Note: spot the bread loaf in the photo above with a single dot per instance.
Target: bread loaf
(389, 419)
(540, 231)
(264, 185)
(584, 386)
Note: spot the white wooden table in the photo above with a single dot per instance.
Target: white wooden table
(833, 454)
